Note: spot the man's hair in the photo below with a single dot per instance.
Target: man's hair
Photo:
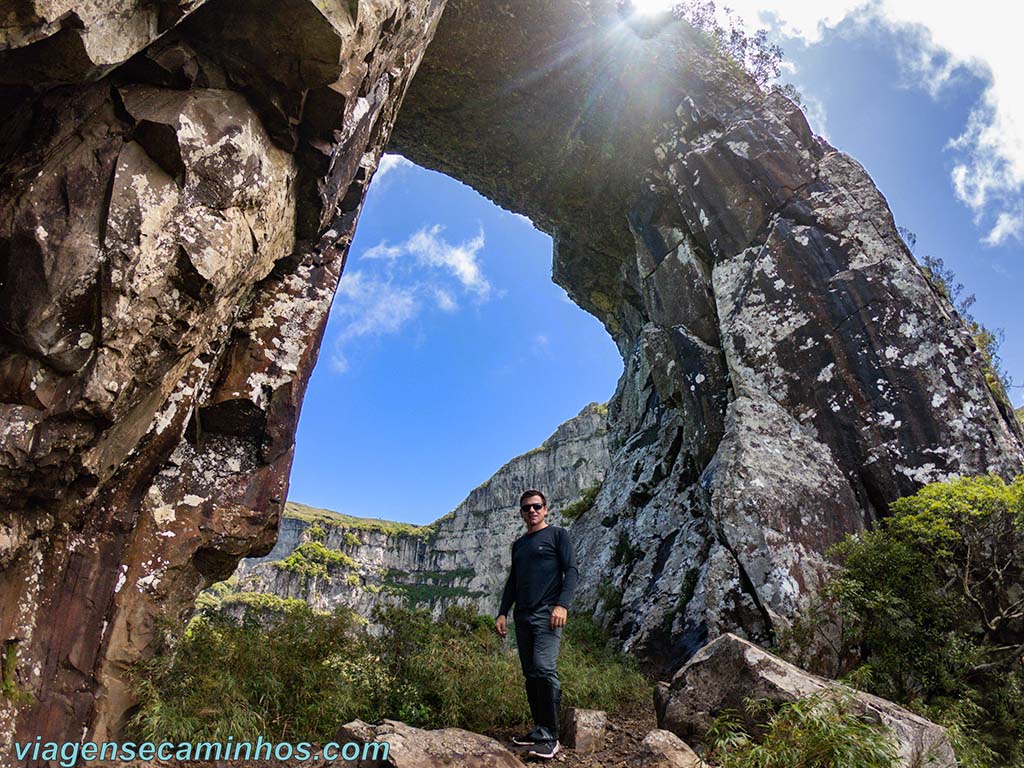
(532, 492)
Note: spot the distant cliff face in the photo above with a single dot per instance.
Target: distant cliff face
(461, 558)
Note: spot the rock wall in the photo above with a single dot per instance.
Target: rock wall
(180, 186)
(461, 558)
(180, 183)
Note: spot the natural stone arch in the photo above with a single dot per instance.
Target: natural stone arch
(782, 349)
(181, 184)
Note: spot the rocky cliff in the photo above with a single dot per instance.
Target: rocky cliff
(462, 558)
(180, 184)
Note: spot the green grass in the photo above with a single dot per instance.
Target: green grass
(445, 577)
(263, 601)
(418, 594)
(813, 732)
(326, 517)
(298, 674)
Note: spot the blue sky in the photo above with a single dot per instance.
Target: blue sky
(449, 350)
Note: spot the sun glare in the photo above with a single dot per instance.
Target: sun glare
(648, 7)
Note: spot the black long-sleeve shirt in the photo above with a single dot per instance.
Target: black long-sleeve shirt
(543, 571)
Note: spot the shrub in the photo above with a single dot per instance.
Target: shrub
(811, 732)
(296, 674)
(928, 610)
(242, 679)
(313, 560)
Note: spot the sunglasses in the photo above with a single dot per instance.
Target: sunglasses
(534, 507)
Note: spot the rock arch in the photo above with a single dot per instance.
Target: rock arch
(181, 182)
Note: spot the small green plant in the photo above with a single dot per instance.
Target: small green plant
(611, 596)
(817, 731)
(625, 553)
(9, 688)
(351, 540)
(316, 532)
(583, 504)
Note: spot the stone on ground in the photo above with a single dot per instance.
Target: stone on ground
(410, 747)
(583, 729)
(663, 749)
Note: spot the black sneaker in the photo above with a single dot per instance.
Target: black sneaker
(528, 740)
(545, 750)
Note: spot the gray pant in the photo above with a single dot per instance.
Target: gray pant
(538, 653)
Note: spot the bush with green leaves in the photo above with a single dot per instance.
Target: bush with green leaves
(928, 610)
(820, 731)
(296, 674)
(225, 677)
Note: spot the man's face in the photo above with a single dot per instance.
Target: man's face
(533, 509)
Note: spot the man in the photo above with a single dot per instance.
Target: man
(541, 583)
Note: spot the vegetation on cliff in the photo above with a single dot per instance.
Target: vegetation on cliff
(928, 611)
(312, 560)
(987, 341)
(338, 520)
(583, 504)
(299, 674)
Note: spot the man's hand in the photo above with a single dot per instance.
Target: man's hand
(558, 615)
(499, 625)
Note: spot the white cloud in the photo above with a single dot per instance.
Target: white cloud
(989, 172)
(382, 251)
(389, 163)
(430, 249)
(1007, 225)
(445, 301)
(386, 286)
(370, 306)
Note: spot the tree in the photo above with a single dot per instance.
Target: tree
(760, 58)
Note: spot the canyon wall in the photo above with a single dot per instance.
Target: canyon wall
(461, 558)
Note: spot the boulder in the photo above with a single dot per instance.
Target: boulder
(663, 749)
(583, 729)
(730, 669)
(410, 747)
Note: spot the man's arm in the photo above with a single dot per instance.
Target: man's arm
(508, 596)
(570, 573)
